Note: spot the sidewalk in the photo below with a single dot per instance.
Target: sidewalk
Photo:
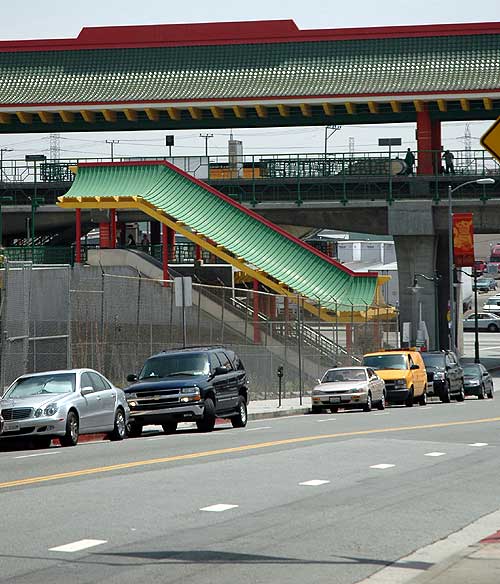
(476, 564)
(261, 409)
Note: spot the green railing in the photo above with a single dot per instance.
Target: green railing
(43, 254)
(256, 178)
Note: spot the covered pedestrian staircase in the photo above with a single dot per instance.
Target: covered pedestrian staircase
(237, 235)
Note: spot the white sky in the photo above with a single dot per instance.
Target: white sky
(59, 19)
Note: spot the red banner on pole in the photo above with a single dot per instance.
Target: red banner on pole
(463, 240)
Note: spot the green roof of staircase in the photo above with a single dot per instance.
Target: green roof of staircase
(242, 232)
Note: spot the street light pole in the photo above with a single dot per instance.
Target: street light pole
(451, 266)
(476, 323)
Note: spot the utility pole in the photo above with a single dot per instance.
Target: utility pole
(206, 137)
(112, 145)
(328, 135)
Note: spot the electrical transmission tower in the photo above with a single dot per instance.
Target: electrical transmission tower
(468, 143)
(55, 146)
(351, 145)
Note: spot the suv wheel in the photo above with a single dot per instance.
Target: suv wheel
(134, 430)
(461, 395)
(169, 427)
(207, 423)
(445, 393)
(240, 420)
(316, 410)
(409, 399)
(491, 394)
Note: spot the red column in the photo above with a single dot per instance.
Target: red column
(78, 242)
(171, 243)
(424, 141)
(436, 145)
(164, 248)
(104, 236)
(112, 217)
(197, 253)
(256, 329)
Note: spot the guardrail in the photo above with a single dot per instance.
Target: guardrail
(256, 178)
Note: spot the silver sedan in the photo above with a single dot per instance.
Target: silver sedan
(486, 321)
(349, 387)
(63, 404)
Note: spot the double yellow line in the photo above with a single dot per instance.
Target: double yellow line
(248, 447)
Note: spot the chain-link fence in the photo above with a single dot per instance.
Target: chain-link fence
(112, 321)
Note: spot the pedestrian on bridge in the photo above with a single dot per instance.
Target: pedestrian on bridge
(448, 161)
(410, 162)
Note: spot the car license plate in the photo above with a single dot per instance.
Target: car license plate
(334, 400)
(11, 427)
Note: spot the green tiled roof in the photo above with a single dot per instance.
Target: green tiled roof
(316, 68)
(203, 209)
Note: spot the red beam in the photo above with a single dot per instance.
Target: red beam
(234, 33)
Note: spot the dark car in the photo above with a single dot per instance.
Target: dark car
(196, 384)
(445, 374)
(477, 381)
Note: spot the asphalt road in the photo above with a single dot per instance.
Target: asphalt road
(142, 510)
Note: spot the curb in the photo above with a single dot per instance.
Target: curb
(254, 416)
(279, 413)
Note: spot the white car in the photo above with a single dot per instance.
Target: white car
(349, 387)
(63, 404)
(486, 321)
(492, 305)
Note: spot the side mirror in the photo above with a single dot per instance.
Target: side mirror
(220, 370)
(415, 366)
(319, 381)
(131, 377)
(87, 390)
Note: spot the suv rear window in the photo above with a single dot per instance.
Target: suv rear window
(178, 364)
(386, 361)
(433, 360)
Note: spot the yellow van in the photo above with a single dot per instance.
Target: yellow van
(403, 371)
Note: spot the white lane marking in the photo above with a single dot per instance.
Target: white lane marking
(382, 466)
(259, 428)
(435, 454)
(38, 454)
(218, 508)
(78, 546)
(479, 444)
(314, 483)
(327, 420)
(158, 438)
(383, 414)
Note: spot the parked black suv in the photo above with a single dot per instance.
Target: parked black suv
(446, 374)
(194, 384)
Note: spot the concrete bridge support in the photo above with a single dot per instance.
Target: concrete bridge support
(412, 227)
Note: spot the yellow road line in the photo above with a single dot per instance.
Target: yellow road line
(257, 446)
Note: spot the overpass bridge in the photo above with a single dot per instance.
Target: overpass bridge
(411, 209)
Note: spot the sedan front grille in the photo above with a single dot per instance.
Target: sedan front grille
(17, 413)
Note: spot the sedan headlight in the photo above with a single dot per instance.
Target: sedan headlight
(51, 410)
(38, 413)
(400, 383)
(357, 390)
